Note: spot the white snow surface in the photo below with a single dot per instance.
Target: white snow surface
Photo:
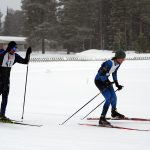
(12, 38)
(91, 54)
(109, 54)
(55, 90)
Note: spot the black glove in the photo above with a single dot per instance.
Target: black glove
(118, 86)
(108, 82)
(29, 50)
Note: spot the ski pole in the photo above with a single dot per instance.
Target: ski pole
(25, 90)
(95, 108)
(85, 105)
(80, 108)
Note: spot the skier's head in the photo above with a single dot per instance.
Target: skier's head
(12, 46)
(120, 56)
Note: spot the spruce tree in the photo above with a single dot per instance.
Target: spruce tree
(40, 21)
(77, 19)
(1, 22)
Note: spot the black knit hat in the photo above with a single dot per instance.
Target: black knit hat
(12, 44)
(120, 54)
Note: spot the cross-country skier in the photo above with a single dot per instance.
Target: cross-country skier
(105, 85)
(8, 58)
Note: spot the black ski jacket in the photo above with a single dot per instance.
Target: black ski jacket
(7, 61)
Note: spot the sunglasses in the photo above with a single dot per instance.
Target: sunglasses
(14, 48)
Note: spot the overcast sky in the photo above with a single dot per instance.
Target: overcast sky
(14, 4)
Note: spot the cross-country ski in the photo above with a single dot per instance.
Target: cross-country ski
(113, 126)
(21, 123)
(126, 118)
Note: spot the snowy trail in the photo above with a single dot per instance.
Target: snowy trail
(56, 90)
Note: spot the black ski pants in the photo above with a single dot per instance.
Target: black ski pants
(4, 90)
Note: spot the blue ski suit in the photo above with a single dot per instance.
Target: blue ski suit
(103, 84)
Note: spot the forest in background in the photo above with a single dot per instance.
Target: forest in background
(78, 25)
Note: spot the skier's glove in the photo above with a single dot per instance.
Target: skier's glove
(118, 85)
(108, 82)
(29, 50)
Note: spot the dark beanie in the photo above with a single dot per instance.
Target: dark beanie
(12, 44)
(120, 54)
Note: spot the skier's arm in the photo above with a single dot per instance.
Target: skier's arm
(25, 60)
(3, 52)
(114, 75)
(104, 70)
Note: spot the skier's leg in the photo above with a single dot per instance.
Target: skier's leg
(114, 112)
(1, 84)
(113, 98)
(107, 95)
(5, 93)
(1, 87)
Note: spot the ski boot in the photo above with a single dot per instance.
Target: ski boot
(4, 119)
(103, 121)
(116, 115)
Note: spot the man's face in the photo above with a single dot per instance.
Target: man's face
(13, 50)
(120, 60)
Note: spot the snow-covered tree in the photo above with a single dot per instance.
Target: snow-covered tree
(40, 21)
(14, 23)
(78, 19)
(1, 21)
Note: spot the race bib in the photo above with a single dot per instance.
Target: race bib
(8, 60)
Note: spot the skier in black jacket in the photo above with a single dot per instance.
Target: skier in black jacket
(8, 58)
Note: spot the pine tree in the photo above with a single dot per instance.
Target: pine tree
(83, 24)
(40, 21)
(102, 24)
(7, 24)
(77, 19)
(141, 43)
(119, 23)
(13, 24)
(1, 22)
(128, 20)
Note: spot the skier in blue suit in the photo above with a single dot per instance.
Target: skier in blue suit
(8, 58)
(105, 85)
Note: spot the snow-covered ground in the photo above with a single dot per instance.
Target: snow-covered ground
(89, 54)
(55, 90)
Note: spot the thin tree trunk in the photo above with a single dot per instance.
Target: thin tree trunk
(43, 46)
